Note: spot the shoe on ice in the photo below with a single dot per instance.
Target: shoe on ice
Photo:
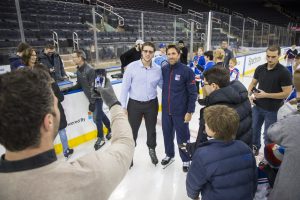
(99, 143)
(186, 166)
(153, 156)
(166, 160)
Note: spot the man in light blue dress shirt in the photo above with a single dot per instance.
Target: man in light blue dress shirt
(139, 95)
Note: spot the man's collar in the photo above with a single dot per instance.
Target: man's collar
(274, 68)
(34, 162)
(142, 64)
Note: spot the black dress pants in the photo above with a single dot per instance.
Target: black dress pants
(149, 110)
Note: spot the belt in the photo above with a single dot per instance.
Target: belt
(143, 101)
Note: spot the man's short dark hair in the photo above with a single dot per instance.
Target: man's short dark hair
(22, 47)
(209, 54)
(173, 46)
(218, 75)
(26, 98)
(80, 53)
(297, 56)
(149, 44)
(227, 118)
(49, 46)
(274, 48)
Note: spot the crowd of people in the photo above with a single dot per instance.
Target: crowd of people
(221, 164)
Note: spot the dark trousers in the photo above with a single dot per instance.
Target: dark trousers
(170, 124)
(149, 110)
(100, 117)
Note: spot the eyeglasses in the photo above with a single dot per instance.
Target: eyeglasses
(147, 51)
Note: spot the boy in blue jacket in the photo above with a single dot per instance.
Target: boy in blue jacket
(222, 168)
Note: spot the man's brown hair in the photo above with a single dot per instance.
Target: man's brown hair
(223, 121)
(274, 48)
(149, 44)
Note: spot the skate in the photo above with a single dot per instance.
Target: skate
(99, 143)
(68, 153)
(153, 157)
(185, 166)
(167, 161)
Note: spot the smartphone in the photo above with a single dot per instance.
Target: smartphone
(100, 77)
(255, 90)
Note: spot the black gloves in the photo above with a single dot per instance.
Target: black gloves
(92, 107)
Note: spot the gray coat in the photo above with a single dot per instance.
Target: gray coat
(286, 133)
(85, 81)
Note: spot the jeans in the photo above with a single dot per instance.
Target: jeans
(64, 139)
(99, 117)
(260, 116)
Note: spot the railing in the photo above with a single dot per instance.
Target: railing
(120, 19)
(160, 1)
(105, 5)
(55, 40)
(174, 6)
(198, 25)
(195, 14)
(238, 14)
(75, 41)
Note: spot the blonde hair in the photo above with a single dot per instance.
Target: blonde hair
(219, 54)
(233, 60)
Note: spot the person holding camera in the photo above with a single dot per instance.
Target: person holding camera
(275, 84)
(86, 80)
(29, 169)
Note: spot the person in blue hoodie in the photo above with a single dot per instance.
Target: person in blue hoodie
(16, 59)
(222, 168)
(178, 104)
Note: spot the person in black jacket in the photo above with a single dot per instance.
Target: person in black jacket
(183, 52)
(131, 55)
(63, 121)
(233, 94)
(52, 60)
(228, 53)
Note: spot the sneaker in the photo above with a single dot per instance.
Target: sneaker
(108, 135)
(166, 160)
(153, 157)
(255, 150)
(99, 143)
(186, 166)
(68, 153)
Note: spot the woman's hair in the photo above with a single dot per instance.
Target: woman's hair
(27, 55)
